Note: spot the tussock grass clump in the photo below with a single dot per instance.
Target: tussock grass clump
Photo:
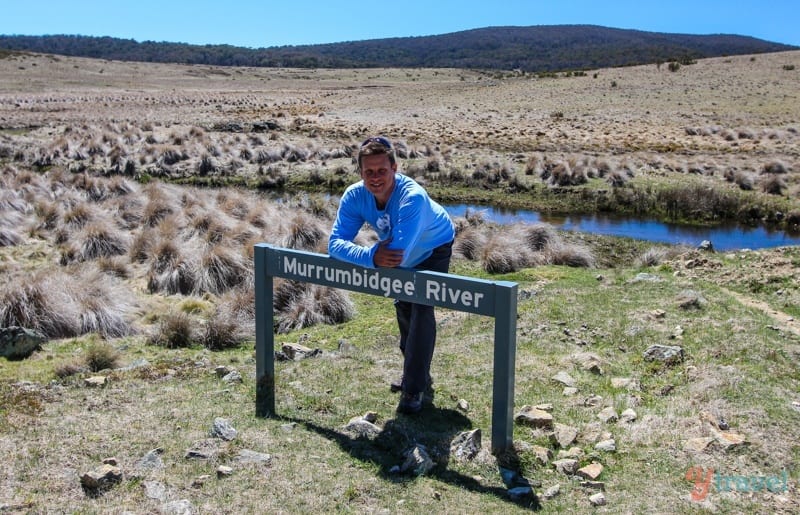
(221, 269)
(78, 216)
(42, 303)
(303, 305)
(115, 266)
(172, 276)
(772, 184)
(775, 168)
(98, 239)
(506, 251)
(653, 256)
(577, 256)
(539, 236)
(103, 305)
(64, 370)
(305, 233)
(221, 332)
(469, 243)
(9, 237)
(101, 356)
(175, 330)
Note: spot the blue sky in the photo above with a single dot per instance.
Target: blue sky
(265, 23)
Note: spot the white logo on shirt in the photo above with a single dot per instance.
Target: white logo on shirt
(384, 223)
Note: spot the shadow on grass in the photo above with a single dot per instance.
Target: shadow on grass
(434, 428)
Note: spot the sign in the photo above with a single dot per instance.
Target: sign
(479, 296)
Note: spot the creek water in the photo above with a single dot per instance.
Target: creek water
(724, 237)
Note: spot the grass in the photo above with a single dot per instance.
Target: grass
(171, 402)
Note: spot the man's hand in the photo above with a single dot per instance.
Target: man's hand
(386, 257)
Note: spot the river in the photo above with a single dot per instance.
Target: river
(724, 238)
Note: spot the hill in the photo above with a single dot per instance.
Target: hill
(533, 49)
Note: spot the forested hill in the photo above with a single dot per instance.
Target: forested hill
(536, 49)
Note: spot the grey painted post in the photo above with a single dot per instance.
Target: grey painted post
(505, 350)
(265, 339)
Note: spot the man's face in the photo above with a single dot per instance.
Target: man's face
(378, 174)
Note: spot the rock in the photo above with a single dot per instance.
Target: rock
(135, 364)
(110, 461)
(645, 277)
(698, 444)
(101, 478)
(657, 314)
(564, 435)
(362, 428)
(728, 440)
(569, 390)
(288, 427)
(462, 406)
(295, 351)
(669, 354)
(628, 416)
(200, 481)
(204, 449)
(594, 485)
(246, 456)
(627, 383)
(95, 381)
(591, 471)
(609, 445)
(232, 377)
(346, 348)
(370, 417)
(222, 428)
(608, 415)
(155, 490)
(181, 507)
(534, 417)
(224, 471)
(466, 445)
(551, 492)
(19, 342)
(566, 466)
(542, 454)
(598, 499)
(690, 299)
(706, 246)
(222, 371)
(565, 379)
(150, 461)
(592, 401)
(547, 406)
(589, 362)
(417, 461)
(573, 453)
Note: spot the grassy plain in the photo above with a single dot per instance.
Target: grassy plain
(86, 144)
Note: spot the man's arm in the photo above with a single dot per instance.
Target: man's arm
(345, 228)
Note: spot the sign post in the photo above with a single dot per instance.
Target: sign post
(495, 299)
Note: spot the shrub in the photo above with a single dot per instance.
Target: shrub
(175, 330)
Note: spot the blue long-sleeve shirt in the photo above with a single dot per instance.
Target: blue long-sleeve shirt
(415, 223)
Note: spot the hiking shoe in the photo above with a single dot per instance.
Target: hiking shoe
(397, 385)
(410, 403)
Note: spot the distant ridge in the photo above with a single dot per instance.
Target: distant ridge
(535, 49)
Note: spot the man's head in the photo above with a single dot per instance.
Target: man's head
(376, 145)
(377, 166)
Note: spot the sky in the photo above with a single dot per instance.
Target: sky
(266, 23)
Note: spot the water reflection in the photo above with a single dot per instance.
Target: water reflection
(728, 237)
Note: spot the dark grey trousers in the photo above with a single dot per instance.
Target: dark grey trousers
(417, 325)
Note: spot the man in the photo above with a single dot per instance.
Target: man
(414, 232)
